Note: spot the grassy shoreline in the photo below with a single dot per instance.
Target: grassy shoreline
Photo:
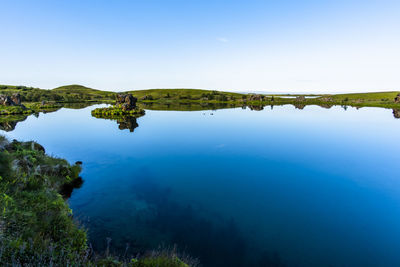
(58, 97)
(36, 224)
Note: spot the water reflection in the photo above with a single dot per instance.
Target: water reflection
(396, 113)
(124, 122)
(187, 106)
(79, 105)
(8, 123)
(256, 107)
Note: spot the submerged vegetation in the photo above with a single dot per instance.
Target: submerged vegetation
(36, 224)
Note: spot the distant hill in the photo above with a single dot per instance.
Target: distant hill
(80, 89)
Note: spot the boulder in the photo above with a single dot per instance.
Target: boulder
(256, 97)
(300, 98)
(5, 100)
(16, 98)
(127, 101)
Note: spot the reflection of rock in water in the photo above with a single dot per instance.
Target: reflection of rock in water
(299, 105)
(327, 106)
(127, 123)
(396, 113)
(8, 123)
(255, 107)
(124, 122)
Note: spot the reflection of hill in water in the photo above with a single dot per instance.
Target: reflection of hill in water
(124, 122)
(8, 123)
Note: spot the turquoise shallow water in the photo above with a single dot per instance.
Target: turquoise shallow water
(235, 187)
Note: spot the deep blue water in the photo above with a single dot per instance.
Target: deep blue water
(280, 187)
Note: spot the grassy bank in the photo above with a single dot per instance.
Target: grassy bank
(36, 224)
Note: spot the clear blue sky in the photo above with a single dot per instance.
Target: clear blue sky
(275, 46)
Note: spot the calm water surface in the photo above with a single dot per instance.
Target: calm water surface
(235, 187)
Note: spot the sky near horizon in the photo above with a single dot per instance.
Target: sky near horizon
(270, 46)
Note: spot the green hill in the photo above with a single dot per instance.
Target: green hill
(76, 89)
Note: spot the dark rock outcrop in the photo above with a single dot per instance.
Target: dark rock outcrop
(5, 100)
(14, 100)
(127, 101)
(397, 98)
(256, 97)
(300, 98)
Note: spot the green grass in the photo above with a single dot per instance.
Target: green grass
(117, 111)
(36, 224)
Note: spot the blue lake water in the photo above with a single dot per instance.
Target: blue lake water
(236, 187)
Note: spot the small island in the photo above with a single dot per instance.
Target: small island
(124, 106)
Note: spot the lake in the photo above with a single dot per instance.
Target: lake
(236, 187)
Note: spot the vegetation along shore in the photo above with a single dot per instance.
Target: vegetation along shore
(36, 99)
(37, 227)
